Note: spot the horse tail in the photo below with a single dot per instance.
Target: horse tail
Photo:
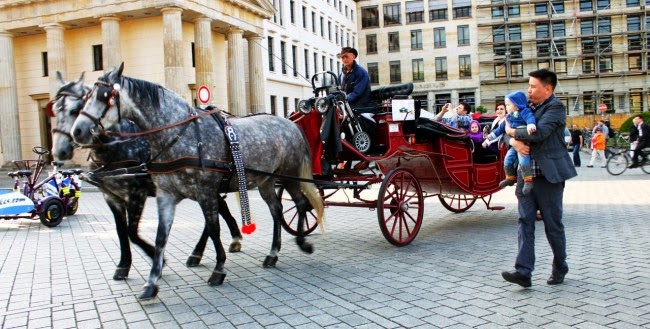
(310, 191)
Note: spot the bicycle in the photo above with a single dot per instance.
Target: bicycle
(619, 162)
(52, 198)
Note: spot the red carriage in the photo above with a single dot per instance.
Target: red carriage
(411, 157)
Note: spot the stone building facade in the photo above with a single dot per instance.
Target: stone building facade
(178, 44)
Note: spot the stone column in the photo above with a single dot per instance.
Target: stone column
(203, 52)
(256, 74)
(236, 81)
(111, 54)
(9, 125)
(55, 54)
(173, 52)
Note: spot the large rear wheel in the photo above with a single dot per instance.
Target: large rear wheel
(290, 215)
(53, 212)
(457, 202)
(400, 207)
(617, 163)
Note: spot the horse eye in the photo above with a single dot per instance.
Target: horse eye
(75, 112)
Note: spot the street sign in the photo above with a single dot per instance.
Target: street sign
(203, 94)
(602, 107)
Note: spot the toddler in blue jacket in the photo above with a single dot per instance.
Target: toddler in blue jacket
(519, 115)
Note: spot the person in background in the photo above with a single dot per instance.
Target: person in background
(576, 143)
(552, 166)
(641, 141)
(603, 127)
(500, 111)
(598, 148)
(354, 79)
(458, 117)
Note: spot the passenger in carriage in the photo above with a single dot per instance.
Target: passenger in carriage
(500, 111)
(458, 117)
(519, 115)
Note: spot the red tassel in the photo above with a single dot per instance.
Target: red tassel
(248, 229)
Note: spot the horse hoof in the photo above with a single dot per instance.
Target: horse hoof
(193, 261)
(121, 273)
(270, 261)
(216, 279)
(307, 247)
(235, 247)
(149, 292)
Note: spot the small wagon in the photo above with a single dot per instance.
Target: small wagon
(411, 157)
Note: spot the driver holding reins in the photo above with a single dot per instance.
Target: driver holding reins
(354, 79)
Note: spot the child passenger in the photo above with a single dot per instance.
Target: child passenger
(519, 115)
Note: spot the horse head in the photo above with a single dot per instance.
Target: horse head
(102, 109)
(65, 108)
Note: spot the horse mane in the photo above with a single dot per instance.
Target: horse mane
(143, 90)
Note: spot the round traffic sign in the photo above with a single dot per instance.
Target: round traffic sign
(602, 107)
(204, 94)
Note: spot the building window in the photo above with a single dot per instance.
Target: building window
(559, 66)
(605, 64)
(588, 65)
(557, 7)
(46, 71)
(415, 11)
(634, 42)
(322, 25)
(559, 29)
(604, 44)
(439, 37)
(292, 11)
(273, 105)
(271, 55)
(463, 35)
(500, 71)
(462, 8)
(283, 56)
(395, 72)
(393, 41)
(513, 11)
(441, 68)
(588, 45)
(559, 48)
(604, 25)
(416, 39)
(516, 69)
(541, 31)
(306, 55)
(313, 22)
(304, 17)
(514, 32)
(315, 63)
(438, 10)
(193, 54)
(540, 9)
(329, 30)
(294, 58)
(588, 102)
(277, 18)
(586, 27)
(602, 4)
(636, 101)
(371, 43)
(373, 72)
(285, 107)
(464, 66)
(586, 5)
(369, 17)
(633, 3)
(497, 12)
(392, 15)
(98, 58)
(543, 49)
(418, 69)
(323, 63)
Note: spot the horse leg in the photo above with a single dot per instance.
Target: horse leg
(267, 191)
(302, 206)
(166, 208)
(135, 206)
(210, 208)
(235, 233)
(235, 244)
(119, 214)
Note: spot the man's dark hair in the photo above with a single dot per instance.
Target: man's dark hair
(546, 76)
(639, 116)
(467, 107)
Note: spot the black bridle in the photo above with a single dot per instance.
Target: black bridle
(107, 94)
(61, 96)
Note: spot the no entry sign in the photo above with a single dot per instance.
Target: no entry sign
(204, 94)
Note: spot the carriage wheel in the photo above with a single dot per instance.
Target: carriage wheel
(457, 202)
(361, 141)
(617, 163)
(400, 207)
(290, 215)
(73, 206)
(53, 212)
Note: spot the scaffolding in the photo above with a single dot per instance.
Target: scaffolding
(599, 60)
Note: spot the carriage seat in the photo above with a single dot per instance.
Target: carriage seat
(430, 129)
(387, 92)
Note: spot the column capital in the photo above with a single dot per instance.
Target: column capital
(253, 36)
(171, 9)
(234, 30)
(53, 26)
(6, 34)
(109, 18)
(202, 19)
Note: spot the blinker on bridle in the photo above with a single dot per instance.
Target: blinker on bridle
(109, 95)
(49, 108)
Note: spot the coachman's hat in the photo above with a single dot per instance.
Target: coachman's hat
(346, 50)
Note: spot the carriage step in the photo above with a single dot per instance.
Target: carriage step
(336, 186)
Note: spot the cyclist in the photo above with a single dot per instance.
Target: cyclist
(641, 140)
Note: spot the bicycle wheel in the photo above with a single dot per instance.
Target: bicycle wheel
(617, 163)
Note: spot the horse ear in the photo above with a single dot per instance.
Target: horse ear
(81, 77)
(59, 78)
(120, 69)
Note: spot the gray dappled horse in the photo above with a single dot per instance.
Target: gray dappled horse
(125, 195)
(272, 148)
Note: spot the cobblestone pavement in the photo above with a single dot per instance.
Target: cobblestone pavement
(448, 277)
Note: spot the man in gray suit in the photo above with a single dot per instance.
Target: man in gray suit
(551, 167)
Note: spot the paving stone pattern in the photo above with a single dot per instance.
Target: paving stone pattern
(448, 277)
